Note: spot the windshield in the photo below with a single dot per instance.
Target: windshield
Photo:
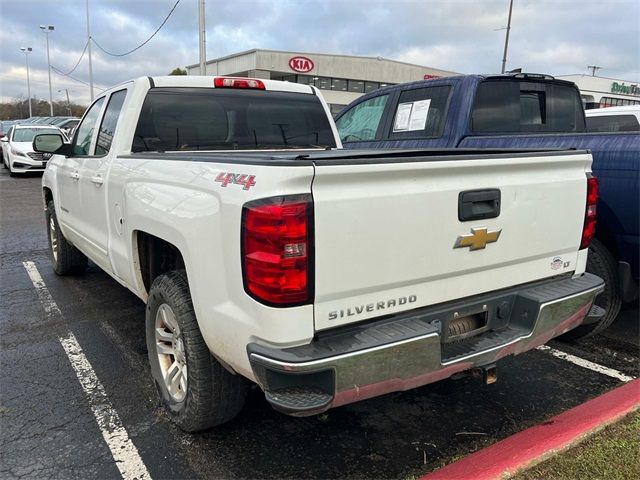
(229, 119)
(27, 134)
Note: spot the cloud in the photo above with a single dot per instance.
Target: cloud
(549, 36)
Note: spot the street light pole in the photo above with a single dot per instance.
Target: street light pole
(47, 29)
(68, 102)
(506, 38)
(27, 51)
(89, 47)
(202, 38)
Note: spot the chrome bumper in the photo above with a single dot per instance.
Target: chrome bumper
(407, 351)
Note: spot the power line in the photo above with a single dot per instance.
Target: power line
(67, 75)
(78, 62)
(143, 43)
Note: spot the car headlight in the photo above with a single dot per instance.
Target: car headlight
(17, 152)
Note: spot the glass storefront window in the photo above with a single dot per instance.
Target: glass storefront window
(339, 84)
(323, 83)
(371, 86)
(356, 86)
(305, 79)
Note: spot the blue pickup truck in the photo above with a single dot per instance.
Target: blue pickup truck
(517, 111)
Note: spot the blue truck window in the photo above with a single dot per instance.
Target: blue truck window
(362, 121)
(421, 113)
(512, 106)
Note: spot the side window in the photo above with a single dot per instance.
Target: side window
(82, 144)
(362, 121)
(421, 113)
(109, 122)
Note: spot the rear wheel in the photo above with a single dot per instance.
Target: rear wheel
(600, 262)
(196, 390)
(65, 258)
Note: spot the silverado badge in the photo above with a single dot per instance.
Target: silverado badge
(478, 238)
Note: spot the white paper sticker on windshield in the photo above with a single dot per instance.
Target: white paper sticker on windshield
(403, 116)
(412, 116)
(419, 115)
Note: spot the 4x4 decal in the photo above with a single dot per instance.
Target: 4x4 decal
(247, 181)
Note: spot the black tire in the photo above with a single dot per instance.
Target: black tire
(68, 259)
(601, 263)
(213, 395)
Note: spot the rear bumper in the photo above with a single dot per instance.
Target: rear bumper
(409, 350)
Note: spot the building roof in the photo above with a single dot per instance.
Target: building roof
(259, 50)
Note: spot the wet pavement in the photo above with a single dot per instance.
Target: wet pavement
(48, 430)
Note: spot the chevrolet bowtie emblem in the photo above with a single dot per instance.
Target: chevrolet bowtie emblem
(478, 238)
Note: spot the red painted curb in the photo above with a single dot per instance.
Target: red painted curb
(524, 448)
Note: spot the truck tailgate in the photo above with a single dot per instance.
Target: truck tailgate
(385, 231)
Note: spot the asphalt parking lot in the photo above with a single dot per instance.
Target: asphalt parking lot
(48, 426)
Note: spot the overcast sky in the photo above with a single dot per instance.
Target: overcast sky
(556, 37)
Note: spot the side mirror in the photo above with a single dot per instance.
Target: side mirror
(50, 143)
(4, 139)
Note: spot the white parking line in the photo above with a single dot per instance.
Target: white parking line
(581, 362)
(115, 435)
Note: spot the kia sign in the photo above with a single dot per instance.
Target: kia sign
(430, 77)
(301, 64)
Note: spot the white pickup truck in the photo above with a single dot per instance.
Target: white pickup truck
(267, 254)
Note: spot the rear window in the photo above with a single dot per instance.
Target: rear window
(191, 119)
(508, 106)
(613, 123)
(27, 134)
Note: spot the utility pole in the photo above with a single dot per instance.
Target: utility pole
(68, 102)
(202, 37)
(506, 38)
(594, 69)
(47, 29)
(27, 51)
(89, 47)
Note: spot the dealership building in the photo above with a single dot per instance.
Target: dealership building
(599, 92)
(342, 78)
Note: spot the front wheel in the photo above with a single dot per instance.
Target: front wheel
(65, 258)
(196, 390)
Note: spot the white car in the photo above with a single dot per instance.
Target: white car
(17, 150)
(614, 119)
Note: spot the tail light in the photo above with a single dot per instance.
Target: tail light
(589, 229)
(231, 82)
(277, 250)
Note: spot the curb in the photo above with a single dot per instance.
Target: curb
(534, 444)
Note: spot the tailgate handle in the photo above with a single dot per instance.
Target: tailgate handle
(478, 204)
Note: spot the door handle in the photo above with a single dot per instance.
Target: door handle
(478, 204)
(75, 176)
(97, 180)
